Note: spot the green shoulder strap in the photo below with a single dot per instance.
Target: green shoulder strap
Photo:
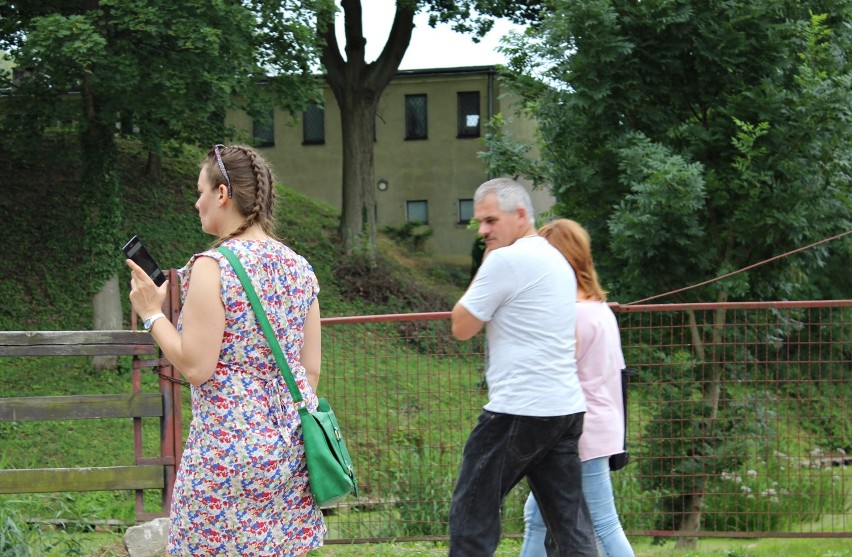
(264, 323)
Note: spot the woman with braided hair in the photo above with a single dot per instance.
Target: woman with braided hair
(242, 486)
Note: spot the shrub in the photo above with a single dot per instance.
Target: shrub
(774, 494)
(411, 234)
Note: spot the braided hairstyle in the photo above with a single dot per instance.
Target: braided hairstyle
(252, 183)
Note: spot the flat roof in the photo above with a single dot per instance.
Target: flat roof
(445, 71)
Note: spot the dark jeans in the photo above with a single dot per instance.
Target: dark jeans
(501, 450)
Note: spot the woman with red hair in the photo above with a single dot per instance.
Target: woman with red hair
(599, 365)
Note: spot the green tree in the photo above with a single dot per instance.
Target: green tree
(692, 138)
(357, 86)
(158, 70)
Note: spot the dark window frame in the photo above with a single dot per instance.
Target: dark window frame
(313, 117)
(263, 133)
(464, 100)
(459, 206)
(416, 118)
(425, 202)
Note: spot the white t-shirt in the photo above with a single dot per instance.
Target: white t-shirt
(526, 294)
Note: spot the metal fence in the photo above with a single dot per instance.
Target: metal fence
(739, 421)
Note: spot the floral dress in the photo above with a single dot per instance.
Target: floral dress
(242, 486)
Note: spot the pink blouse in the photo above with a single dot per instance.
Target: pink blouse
(599, 365)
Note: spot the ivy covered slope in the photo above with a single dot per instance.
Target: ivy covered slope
(43, 285)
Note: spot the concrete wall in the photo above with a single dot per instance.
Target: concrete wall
(441, 169)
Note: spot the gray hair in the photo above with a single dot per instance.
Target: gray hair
(510, 196)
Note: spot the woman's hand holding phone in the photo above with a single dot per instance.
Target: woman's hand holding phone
(134, 250)
(146, 297)
(148, 285)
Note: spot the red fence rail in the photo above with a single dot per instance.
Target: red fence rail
(739, 411)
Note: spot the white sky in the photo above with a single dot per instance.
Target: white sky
(440, 47)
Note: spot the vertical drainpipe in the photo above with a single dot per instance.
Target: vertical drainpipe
(490, 101)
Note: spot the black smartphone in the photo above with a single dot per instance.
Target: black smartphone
(136, 252)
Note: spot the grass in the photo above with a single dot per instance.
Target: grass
(110, 545)
(707, 548)
(43, 202)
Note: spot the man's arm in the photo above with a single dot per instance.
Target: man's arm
(465, 325)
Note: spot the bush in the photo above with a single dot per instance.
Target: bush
(411, 234)
(775, 494)
(423, 490)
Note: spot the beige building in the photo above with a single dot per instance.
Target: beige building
(429, 130)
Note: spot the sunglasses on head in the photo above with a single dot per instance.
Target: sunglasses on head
(222, 168)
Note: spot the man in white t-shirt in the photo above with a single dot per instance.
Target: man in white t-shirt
(524, 295)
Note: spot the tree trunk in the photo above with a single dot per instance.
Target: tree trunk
(100, 193)
(154, 166)
(712, 388)
(358, 225)
(357, 87)
(107, 317)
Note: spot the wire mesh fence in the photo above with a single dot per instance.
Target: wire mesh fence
(739, 421)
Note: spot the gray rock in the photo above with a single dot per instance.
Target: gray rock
(147, 540)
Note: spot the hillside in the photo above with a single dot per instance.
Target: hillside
(41, 282)
(43, 288)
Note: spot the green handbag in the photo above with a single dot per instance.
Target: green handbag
(330, 471)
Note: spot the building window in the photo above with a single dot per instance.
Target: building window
(415, 117)
(468, 110)
(417, 211)
(465, 210)
(313, 125)
(263, 130)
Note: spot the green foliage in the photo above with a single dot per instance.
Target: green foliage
(412, 235)
(507, 157)
(477, 17)
(164, 68)
(157, 70)
(745, 104)
(772, 494)
(19, 539)
(656, 227)
(308, 226)
(693, 138)
(424, 487)
(384, 285)
(47, 208)
(100, 197)
(794, 374)
(14, 535)
(685, 440)
(637, 508)
(47, 203)
(820, 376)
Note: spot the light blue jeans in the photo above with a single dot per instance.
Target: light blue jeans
(597, 489)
